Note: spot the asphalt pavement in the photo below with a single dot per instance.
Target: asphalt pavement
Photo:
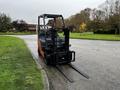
(98, 59)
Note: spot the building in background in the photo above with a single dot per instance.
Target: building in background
(31, 27)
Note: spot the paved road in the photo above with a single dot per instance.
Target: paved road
(99, 59)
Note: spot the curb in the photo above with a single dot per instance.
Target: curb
(44, 75)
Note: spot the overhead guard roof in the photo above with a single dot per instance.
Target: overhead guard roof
(50, 15)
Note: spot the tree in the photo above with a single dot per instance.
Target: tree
(112, 15)
(79, 18)
(20, 25)
(97, 20)
(5, 23)
(82, 27)
(104, 19)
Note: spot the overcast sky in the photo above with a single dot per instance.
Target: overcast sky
(28, 10)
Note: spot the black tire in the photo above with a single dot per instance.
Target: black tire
(46, 59)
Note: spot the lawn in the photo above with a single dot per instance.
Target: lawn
(92, 36)
(17, 33)
(18, 71)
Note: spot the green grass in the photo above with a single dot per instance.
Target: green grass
(92, 36)
(18, 71)
(17, 33)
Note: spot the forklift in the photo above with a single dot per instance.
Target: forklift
(53, 42)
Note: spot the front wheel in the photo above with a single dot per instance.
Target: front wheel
(46, 59)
